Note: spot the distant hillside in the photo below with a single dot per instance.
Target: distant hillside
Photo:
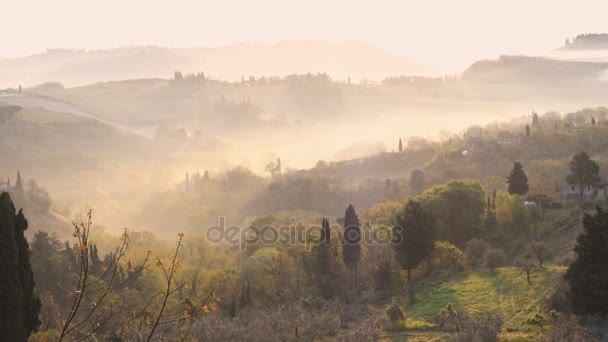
(534, 70)
(77, 67)
(588, 41)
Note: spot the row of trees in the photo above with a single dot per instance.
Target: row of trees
(584, 172)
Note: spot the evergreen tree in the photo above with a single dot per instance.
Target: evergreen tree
(19, 182)
(413, 236)
(324, 267)
(527, 130)
(587, 276)
(187, 182)
(583, 172)
(351, 250)
(518, 181)
(400, 145)
(20, 305)
(535, 122)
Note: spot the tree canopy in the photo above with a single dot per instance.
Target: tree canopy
(588, 274)
(413, 235)
(583, 171)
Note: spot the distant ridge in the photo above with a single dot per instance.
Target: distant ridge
(73, 67)
(587, 41)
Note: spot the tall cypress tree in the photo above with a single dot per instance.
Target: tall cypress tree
(324, 266)
(19, 182)
(587, 276)
(351, 250)
(20, 306)
(518, 181)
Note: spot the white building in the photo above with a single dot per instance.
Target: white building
(571, 193)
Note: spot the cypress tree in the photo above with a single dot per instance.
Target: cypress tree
(351, 250)
(400, 145)
(324, 262)
(19, 182)
(587, 276)
(518, 181)
(20, 305)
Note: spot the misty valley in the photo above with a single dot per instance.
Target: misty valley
(303, 191)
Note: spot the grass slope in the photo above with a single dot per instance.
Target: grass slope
(506, 292)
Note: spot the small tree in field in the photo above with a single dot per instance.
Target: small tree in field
(475, 251)
(526, 264)
(539, 251)
(494, 258)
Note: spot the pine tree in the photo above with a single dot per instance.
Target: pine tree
(21, 306)
(351, 250)
(587, 276)
(518, 181)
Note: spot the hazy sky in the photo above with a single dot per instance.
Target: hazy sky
(447, 35)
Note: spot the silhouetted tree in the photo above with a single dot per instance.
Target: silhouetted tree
(20, 305)
(324, 258)
(527, 130)
(351, 250)
(583, 172)
(518, 181)
(400, 145)
(535, 122)
(19, 182)
(587, 276)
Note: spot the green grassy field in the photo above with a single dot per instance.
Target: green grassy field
(505, 292)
